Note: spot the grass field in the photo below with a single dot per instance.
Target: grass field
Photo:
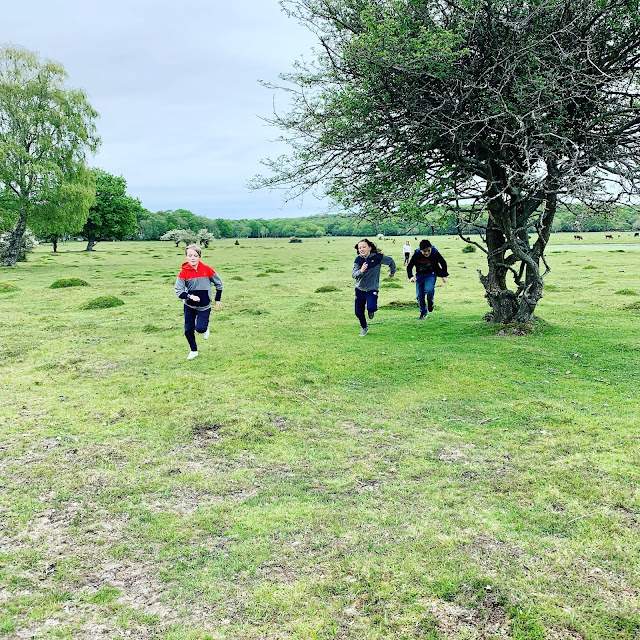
(433, 480)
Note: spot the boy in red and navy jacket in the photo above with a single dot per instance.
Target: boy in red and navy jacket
(194, 287)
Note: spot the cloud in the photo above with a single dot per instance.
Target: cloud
(176, 85)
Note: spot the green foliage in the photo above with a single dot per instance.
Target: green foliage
(103, 302)
(113, 216)
(68, 282)
(626, 292)
(469, 249)
(327, 289)
(46, 132)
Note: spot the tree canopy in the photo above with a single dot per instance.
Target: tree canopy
(502, 106)
(113, 216)
(46, 132)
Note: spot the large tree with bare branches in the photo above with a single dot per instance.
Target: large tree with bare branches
(505, 108)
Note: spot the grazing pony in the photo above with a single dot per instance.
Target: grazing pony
(608, 235)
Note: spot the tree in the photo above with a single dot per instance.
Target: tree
(114, 214)
(224, 228)
(46, 132)
(501, 107)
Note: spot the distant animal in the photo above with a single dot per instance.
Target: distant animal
(393, 241)
(608, 235)
(577, 237)
(619, 236)
(636, 235)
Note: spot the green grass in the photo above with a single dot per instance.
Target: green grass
(438, 479)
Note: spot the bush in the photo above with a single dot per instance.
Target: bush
(68, 282)
(327, 289)
(469, 249)
(103, 302)
(294, 239)
(237, 243)
(29, 243)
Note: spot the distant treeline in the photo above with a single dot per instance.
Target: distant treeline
(153, 225)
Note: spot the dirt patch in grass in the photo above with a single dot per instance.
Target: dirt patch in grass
(5, 287)
(206, 434)
(453, 621)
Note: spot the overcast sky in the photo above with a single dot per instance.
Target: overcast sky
(176, 86)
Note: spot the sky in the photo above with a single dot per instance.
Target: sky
(176, 86)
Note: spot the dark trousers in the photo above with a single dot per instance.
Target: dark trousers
(195, 320)
(365, 300)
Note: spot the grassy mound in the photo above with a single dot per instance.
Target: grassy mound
(327, 289)
(469, 249)
(63, 283)
(626, 292)
(103, 302)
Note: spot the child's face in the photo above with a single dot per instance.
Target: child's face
(193, 258)
(364, 249)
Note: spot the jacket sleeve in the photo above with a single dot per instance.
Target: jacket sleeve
(442, 264)
(410, 266)
(356, 273)
(181, 288)
(217, 283)
(391, 262)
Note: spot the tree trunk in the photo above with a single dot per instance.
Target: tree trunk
(15, 242)
(90, 244)
(510, 306)
(54, 242)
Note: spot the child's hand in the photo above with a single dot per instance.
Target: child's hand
(218, 305)
(195, 298)
(391, 274)
(363, 268)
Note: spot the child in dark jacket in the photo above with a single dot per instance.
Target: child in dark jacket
(429, 265)
(366, 273)
(194, 287)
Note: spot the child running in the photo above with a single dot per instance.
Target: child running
(429, 264)
(366, 273)
(194, 287)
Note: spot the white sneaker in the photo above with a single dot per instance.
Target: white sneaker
(205, 335)
(192, 355)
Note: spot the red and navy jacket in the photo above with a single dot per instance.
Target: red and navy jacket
(435, 264)
(198, 282)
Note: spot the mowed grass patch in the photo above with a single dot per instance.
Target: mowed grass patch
(434, 479)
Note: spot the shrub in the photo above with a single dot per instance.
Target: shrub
(469, 249)
(5, 287)
(294, 239)
(29, 243)
(237, 243)
(327, 289)
(103, 302)
(68, 282)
